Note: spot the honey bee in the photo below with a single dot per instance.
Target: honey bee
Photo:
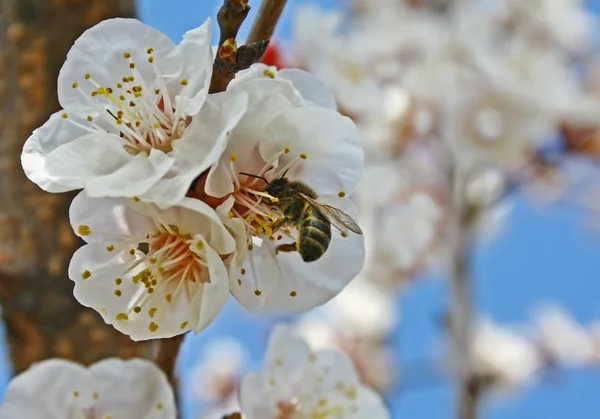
(313, 219)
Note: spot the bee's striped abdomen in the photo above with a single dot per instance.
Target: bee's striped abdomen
(314, 234)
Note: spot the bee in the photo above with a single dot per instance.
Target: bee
(313, 219)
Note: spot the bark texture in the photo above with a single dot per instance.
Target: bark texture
(42, 317)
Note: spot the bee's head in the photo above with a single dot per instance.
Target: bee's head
(277, 187)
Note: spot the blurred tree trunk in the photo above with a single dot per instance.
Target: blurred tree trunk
(42, 317)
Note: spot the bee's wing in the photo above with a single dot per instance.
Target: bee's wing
(336, 216)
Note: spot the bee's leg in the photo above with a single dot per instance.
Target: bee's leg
(288, 247)
(278, 224)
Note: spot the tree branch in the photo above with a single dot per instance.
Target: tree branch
(461, 312)
(166, 356)
(264, 25)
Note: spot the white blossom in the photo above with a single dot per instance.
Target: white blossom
(291, 132)
(137, 117)
(296, 383)
(564, 341)
(112, 388)
(504, 355)
(149, 272)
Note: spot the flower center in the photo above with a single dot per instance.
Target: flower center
(143, 115)
(171, 259)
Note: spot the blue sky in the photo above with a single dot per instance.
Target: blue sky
(544, 254)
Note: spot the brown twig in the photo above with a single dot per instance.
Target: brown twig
(166, 356)
(264, 25)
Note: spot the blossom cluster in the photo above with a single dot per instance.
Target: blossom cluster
(295, 382)
(174, 208)
(479, 92)
(511, 357)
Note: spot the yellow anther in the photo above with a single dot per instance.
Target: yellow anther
(75, 85)
(351, 393)
(89, 118)
(132, 252)
(87, 76)
(243, 271)
(257, 293)
(150, 290)
(287, 231)
(65, 115)
(84, 230)
(156, 91)
(137, 94)
(152, 327)
(344, 235)
(200, 245)
(274, 199)
(119, 85)
(152, 311)
(159, 406)
(75, 393)
(149, 50)
(130, 78)
(118, 293)
(169, 298)
(239, 282)
(233, 157)
(286, 150)
(118, 281)
(250, 247)
(230, 214)
(270, 217)
(86, 274)
(184, 82)
(131, 103)
(271, 238)
(121, 97)
(137, 309)
(183, 325)
(136, 199)
(122, 316)
(127, 55)
(109, 90)
(94, 93)
(95, 396)
(303, 156)
(156, 125)
(269, 73)
(293, 294)
(150, 59)
(341, 194)
(153, 260)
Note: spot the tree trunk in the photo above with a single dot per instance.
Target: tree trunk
(42, 317)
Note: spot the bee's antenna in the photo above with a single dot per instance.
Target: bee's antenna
(255, 176)
(284, 173)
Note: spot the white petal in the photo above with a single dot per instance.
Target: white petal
(215, 293)
(334, 155)
(254, 397)
(107, 171)
(48, 390)
(193, 216)
(196, 52)
(100, 50)
(267, 99)
(54, 133)
(316, 282)
(370, 405)
(310, 87)
(103, 219)
(201, 146)
(132, 389)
